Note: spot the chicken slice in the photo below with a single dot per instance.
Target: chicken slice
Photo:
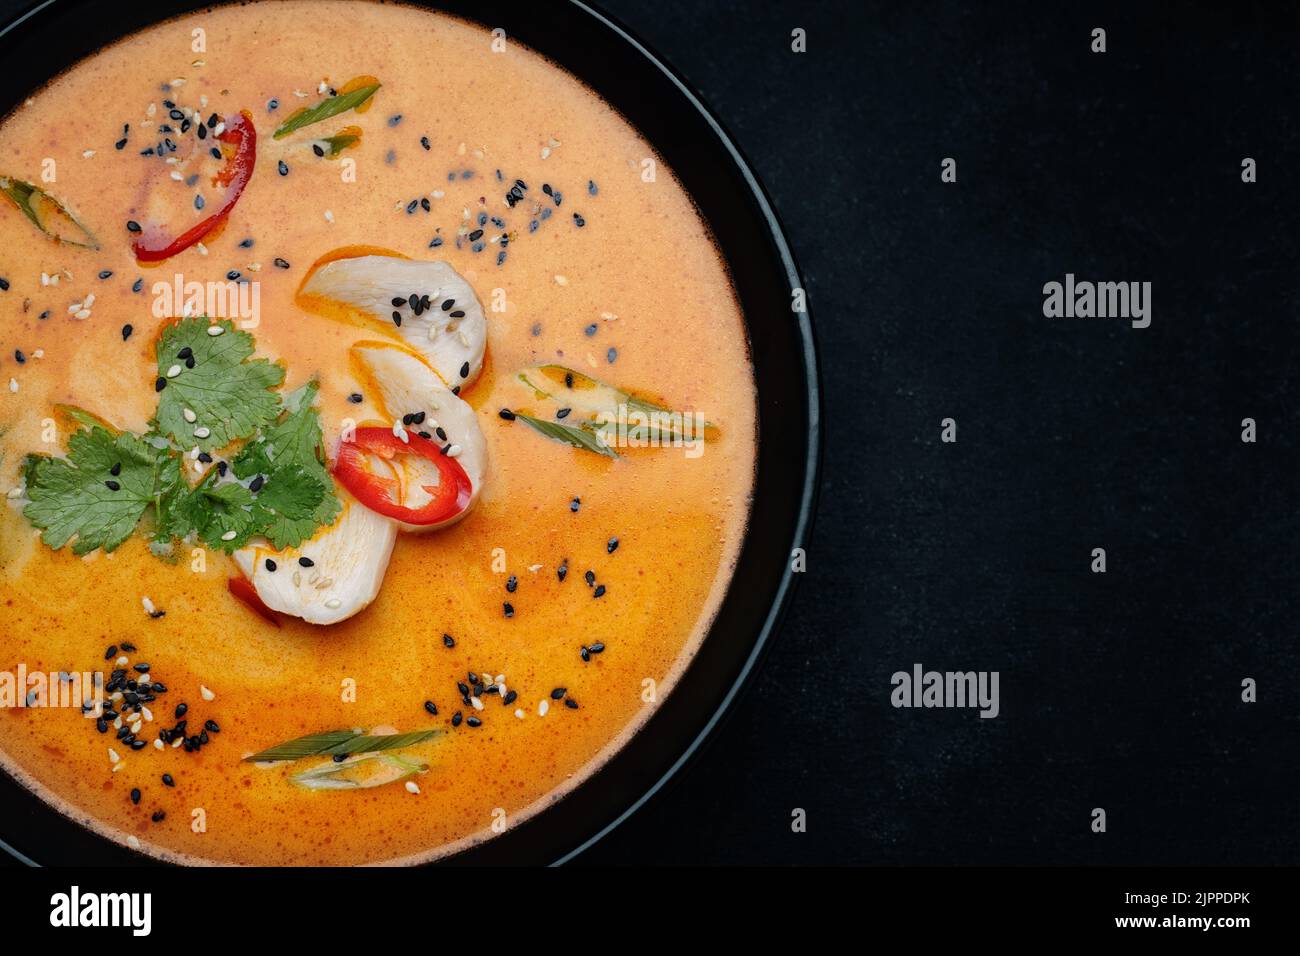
(363, 288)
(344, 569)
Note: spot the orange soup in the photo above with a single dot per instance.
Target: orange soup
(378, 421)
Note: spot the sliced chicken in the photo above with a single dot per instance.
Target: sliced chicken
(428, 305)
(344, 570)
(405, 385)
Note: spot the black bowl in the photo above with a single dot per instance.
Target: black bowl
(55, 34)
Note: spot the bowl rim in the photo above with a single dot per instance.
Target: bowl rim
(778, 602)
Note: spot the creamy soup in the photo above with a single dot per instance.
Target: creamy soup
(511, 567)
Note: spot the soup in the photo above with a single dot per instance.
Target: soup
(379, 424)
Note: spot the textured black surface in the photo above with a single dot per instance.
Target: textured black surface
(1118, 690)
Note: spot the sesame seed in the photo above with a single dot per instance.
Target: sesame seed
(215, 330)
(448, 640)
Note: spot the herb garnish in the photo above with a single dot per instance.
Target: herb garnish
(277, 486)
(325, 109)
(47, 213)
(569, 434)
(339, 742)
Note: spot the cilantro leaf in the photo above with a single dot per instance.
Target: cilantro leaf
(81, 497)
(213, 377)
(210, 511)
(297, 494)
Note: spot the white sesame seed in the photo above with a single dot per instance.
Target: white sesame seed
(203, 431)
(147, 604)
(112, 755)
(561, 280)
(83, 314)
(132, 840)
(454, 451)
(118, 766)
(230, 536)
(145, 712)
(478, 704)
(158, 744)
(87, 154)
(412, 787)
(329, 215)
(519, 712)
(542, 707)
(333, 604)
(173, 371)
(122, 661)
(400, 432)
(215, 330)
(203, 250)
(206, 694)
(13, 385)
(190, 416)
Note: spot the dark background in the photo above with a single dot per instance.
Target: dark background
(1119, 690)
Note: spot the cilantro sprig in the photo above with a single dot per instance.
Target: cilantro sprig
(275, 484)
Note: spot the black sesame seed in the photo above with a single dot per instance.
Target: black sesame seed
(448, 640)
(611, 546)
(168, 781)
(159, 815)
(563, 413)
(281, 263)
(159, 384)
(509, 609)
(510, 698)
(198, 202)
(599, 592)
(272, 105)
(126, 331)
(507, 414)
(19, 357)
(456, 719)
(120, 144)
(398, 302)
(458, 314)
(464, 370)
(138, 744)
(283, 167)
(397, 318)
(141, 668)
(205, 458)
(256, 484)
(596, 648)
(512, 583)
(611, 355)
(589, 577)
(126, 646)
(584, 653)
(339, 758)
(394, 119)
(135, 794)
(575, 504)
(213, 120)
(111, 652)
(431, 707)
(463, 688)
(591, 187)
(306, 562)
(356, 398)
(131, 226)
(424, 141)
(233, 275)
(590, 330)
(212, 725)
(570, 703)
(115, 471)
(562, 572)
(559, 692)
(216, 153)
(448, 305)
(246, 244)
(181, 711)
(316, 148)
(101, 725)
(137, 285)
(106, 274)
(270, 565)
(579, 221)
(474, 722)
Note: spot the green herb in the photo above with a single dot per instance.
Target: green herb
(228, 394)
(72, 496)
(336, 742)
(570, 388)
(339, 142)
(325, 109)
(361, 773)
(568, 434)
(81, 496)
(48, 214)
(296, 496)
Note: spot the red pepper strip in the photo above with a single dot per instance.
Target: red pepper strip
(242, 589)
(450, 496)
(156, 245)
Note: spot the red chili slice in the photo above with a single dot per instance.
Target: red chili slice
(243, 589)
(450, 496)
(156, 242)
